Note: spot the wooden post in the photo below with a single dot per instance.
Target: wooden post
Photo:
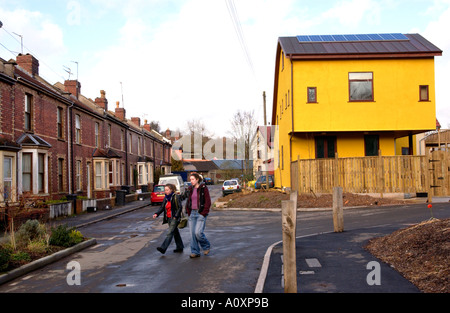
(428, 176)
(380, 174)
(338, 210)
(288, 223)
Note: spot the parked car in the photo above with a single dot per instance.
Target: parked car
(187, 184)
(262, 181)
(230, 186)
(157, 196)
(208, 181)
(176, 180)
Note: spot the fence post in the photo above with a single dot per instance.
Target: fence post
(338, 210)
(380, 174)
(428, 180)
(288, 223)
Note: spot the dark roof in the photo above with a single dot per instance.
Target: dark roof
(31, 140)
(233, 164)
(8, 145)
(414, 46)
(109, 153)
(203, 166)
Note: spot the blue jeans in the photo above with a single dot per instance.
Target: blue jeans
(173, 233)
(197, 226)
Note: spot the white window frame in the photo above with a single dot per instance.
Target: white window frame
(12, 180)
(35, 170)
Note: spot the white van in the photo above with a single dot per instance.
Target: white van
(174, 180)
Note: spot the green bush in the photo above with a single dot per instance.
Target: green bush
(5, 256)
(21, 257)
(63, 236)
(76, 237)
(29, 231)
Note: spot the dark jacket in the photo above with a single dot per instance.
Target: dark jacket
(176, 207)
(204, 200)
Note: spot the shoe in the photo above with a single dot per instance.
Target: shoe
(178, 250)
(161, 250)
(206, 252)
(192, 256)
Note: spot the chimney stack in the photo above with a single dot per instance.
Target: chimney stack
(102, 101)
(73, 86)
(147, 126)
(29, 63)
(136, 121)
(120, 112)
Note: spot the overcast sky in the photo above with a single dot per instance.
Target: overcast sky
(181, 60)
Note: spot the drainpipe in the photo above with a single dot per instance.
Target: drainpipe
(70, 146)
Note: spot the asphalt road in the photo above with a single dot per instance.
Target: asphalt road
(125, 258)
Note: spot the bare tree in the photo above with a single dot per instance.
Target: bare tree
(196, 129)
(243, 128)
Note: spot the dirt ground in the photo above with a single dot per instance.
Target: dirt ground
(272, 199)
(421, 253)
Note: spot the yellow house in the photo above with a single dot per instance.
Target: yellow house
(353, 95)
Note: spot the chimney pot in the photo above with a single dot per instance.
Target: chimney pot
(102, 101)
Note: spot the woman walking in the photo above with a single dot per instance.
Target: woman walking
(197, 208)
(171, 207)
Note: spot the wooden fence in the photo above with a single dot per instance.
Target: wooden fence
(381, 174)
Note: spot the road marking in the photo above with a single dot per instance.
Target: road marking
(313, 263)
(306, 272)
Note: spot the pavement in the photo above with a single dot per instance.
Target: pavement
(337, 262)
(85, 219)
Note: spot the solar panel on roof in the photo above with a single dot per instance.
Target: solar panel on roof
(350, 37)
(303, 38)
(327, 38)
(315, 38)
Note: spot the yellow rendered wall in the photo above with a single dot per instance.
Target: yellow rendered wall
(396, 104)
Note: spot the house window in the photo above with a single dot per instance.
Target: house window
(325, 147)
(149, 173)
(7, 178)
(78, 175)
(106, 172)
(141, 168)
(312, 94)
(122, 170)
(111, 173)
(109, 135)
(98, 175)
(97, 138)
(60, 175)
(139, 145)
(102, 174)
(371, 145)
(130, 146)
(122, 140)
(424, 93)
(361, 86)
(27, 171)
(28, 112)
(77, 129)
(59, 113)
(41, 173)
(117, 173)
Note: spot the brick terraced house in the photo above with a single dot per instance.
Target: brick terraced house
(54, 141)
